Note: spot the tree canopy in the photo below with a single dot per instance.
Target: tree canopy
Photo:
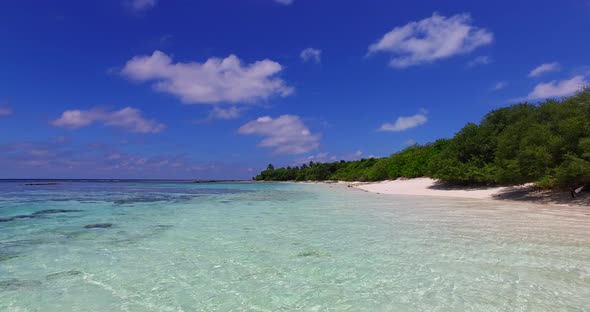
(546, 143)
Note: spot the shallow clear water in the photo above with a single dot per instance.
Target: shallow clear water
(284, 247)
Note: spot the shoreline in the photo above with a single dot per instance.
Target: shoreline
(432, 188)
(428, 187)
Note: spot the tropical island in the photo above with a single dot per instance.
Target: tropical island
(547, 144)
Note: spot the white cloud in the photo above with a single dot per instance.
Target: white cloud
(431, 39)
(216, 80)
(142, 5)
(319, 157)
(311, 54)
(405, 123)
(500, 85)
(327, 157)
(285, 2)
(5, 111)
(287, 134)
(222, 113)
(410, 142)
(544, 68)
(225, 113)
(127, 118)
(556, 88)
(480, 60)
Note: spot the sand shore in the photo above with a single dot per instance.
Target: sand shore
(428, 187)
(431, 187)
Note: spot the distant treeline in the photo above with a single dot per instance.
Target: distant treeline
(547, 143)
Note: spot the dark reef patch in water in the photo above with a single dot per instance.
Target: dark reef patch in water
(136, 200)
(54, 211)
(153, 198)
(120, 197)
(309, 253)
(58, 199)
(38, 214)
(6, 245)
(24, 217)
(10, 250)
(63, 274)
(8, 219)
(7, 257)
(98, 226)
(15, 284)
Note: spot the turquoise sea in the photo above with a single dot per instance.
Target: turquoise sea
(163, 246)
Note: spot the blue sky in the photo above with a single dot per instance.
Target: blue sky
(219, 89)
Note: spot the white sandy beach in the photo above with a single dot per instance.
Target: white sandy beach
(427, 187)
(430, 187)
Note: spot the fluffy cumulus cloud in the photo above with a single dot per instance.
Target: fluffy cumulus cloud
(214, 81)
(327, 157)
(431, 39)
(5, 111)
(311, 55)
(500, 85)
(142, 5)
(225, 113)
(544, 68)
(285, 2)
(286, 134)
(128, 118)
(405, 122)
(480, 60)
(556, 88)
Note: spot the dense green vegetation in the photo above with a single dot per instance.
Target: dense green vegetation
(547, 143)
